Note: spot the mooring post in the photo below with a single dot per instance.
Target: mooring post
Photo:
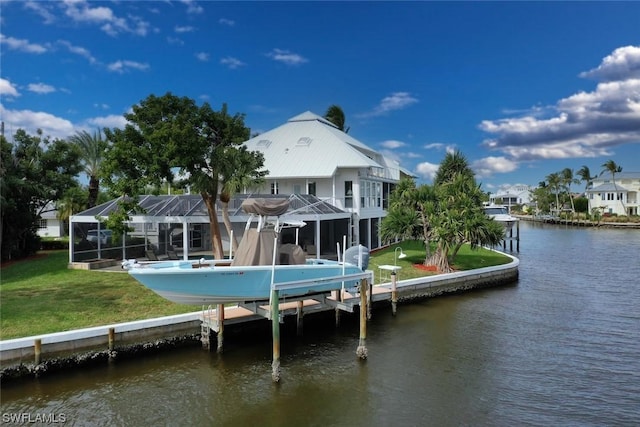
(338, 299)
(37, 350)
(299, 316)
(220, 320)
(275, 331)
(394, 292)
(112, 338)
(361, 351)
(518, 236)
(369, 300)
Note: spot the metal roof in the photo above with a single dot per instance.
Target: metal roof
(310, 146)
(159, 207)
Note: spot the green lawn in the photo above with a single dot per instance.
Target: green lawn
(42, 295)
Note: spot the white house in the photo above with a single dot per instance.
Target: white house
(516, 195)
(49, 224)
(335, 184)
(620, 198)
(310, 155)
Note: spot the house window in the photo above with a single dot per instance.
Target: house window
(620, 196)
(296, 189)
(311, 188)
(609, 196)
(42, 223)
(348, 194)
(274, 187)
(602, 196)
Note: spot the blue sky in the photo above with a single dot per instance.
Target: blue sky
(522, 89)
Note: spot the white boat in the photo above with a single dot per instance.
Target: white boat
(500, 214)
(260, 265)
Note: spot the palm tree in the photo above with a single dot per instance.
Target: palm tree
(336, 116)
(566, 176)
(242, 171)
(554, 182)
(453, 164)
(611, 167)
(92, 148)
(585, 176)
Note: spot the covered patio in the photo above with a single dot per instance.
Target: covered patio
(179, 224)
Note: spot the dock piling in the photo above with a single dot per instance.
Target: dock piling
(394, 292)
(37, 350)
(275, 331)
(361, 351)
(299, 318)
(220, 321)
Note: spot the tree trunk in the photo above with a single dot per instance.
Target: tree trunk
(94, 189)
(439, 260)
(214, 226)
(227, 224)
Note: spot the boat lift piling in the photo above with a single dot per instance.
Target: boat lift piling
(361, 351)
(275, 331)
(220, 323)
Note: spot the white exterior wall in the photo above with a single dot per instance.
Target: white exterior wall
(607, 199)
(53, 228)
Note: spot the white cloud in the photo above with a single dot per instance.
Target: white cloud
(175, 41)
(395, 101)
(586, 124)
(392, 144)
(31, 121)
(22, 45)
(227, 22)
(488, 166)
(184, 29)
(110, 121)
(426, 170)
(202, 56)
(83, 12)
(287, 57)
(122, 66)
(7, 88)
(622, 64)
(193, 7)
(439, 146)
(232, 62)
(41, 9)
(81, 51)
(41, 88)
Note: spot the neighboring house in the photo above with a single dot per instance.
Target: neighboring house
(516, 195)
(50, 225)
(620, 198)
(310, 155)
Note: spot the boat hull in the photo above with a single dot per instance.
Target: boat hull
(186, 283)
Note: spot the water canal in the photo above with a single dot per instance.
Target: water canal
(559, 348)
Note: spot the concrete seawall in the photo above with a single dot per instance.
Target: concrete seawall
(105, 342)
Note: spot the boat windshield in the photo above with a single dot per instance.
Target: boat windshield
(495, 211)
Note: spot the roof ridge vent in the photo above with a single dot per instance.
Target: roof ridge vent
(264, 143)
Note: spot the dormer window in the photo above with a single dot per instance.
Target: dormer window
(305, 141)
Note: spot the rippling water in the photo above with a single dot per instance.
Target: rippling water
(562, 347)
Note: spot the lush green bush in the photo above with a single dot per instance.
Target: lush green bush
(51, 245)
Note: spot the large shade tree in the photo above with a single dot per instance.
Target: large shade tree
(35, 171)
(242, 171)
(171, 139)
